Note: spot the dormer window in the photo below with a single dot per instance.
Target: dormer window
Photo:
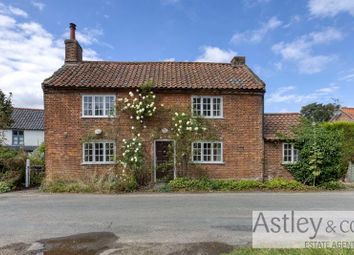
(207, 106)
(98, 106)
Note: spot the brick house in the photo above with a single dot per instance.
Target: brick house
(78, 96)
(344, 114)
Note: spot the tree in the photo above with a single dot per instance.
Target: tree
(320, 154)
(316, 112)
(5, 110)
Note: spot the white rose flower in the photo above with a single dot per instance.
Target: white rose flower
(196, 128)
(162, 105)
(133, 127)
(131, 94)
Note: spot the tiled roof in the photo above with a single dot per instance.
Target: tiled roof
(178, 75)
(348, 111)
(27, 119)
(279, 124)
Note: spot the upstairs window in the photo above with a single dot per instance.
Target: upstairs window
(290, 154)
(18, 137)
(207, 152)
(207, 106)
(98, 105)
(99, 152)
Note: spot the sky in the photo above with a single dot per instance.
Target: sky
(303, 50)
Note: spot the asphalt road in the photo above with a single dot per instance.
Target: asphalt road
(155, 218)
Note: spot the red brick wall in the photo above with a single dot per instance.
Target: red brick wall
(240, 129)
(273, 161)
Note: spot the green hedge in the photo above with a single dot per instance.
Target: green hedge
(187, 184)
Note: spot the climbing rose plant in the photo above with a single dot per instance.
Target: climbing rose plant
(132, 156)
(140, 105)
(184, 123)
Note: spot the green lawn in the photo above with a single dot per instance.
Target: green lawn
(249, 251)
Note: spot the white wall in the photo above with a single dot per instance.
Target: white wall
(32, 137)
(7, 135)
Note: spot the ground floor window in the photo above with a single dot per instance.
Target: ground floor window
(99, 152)
(18, 137)
(207, 152)
(290, 154)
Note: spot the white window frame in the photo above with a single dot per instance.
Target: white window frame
(93, 106)
(292, 149)
(211, 107)
(94, 162)
(202, 161)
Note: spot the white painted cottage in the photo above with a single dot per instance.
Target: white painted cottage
(26, 130)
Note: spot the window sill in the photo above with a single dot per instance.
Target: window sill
(209, 163)
(97, 163)
(210, 118)
(288, 163)
(98, 117)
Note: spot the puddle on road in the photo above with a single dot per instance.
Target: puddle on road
(83, 244)
(106, 243)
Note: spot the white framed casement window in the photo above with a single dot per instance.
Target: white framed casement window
(99, 152)
(290, 154)
(208, 106)
(98, 106)
(18, 137)
(207, 152)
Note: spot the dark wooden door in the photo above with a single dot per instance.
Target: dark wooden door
(164, 160)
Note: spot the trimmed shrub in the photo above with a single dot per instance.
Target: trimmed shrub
(186, 184)
(284, 184)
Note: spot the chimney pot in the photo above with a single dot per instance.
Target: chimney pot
(72, 31)
(238, 60)
(73, 50)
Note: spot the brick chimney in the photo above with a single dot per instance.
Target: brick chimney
(73, 50)
(238, 60)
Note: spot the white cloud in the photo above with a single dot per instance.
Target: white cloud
(18, 11)
(215, 54)
(256, 36)
(169, 60)
(300, 50)
(39, 5)
(253, 3)
(29, 54)
(11, 10)
(330, 8)
(348, 76)
(288, 95)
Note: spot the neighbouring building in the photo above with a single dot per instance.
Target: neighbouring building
(344, 114)
(80, 94)
(26, 130)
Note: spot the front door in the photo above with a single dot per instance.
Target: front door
(164, 161)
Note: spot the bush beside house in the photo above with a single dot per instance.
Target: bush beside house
(321, 154)
(12, 168)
